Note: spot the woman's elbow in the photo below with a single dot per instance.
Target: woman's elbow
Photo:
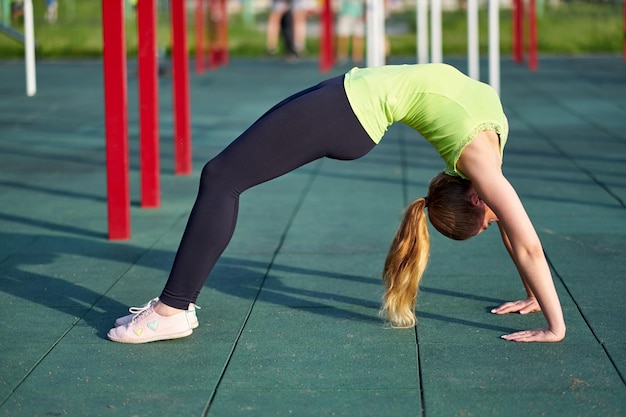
(530, 252)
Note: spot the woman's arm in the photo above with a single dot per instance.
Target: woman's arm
(528, 305)
(480, 162)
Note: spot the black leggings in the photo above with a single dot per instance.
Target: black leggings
(311, 124)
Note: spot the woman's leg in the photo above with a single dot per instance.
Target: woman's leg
(312, 124)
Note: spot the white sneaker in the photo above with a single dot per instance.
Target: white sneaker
(149, 326)
(191, 312)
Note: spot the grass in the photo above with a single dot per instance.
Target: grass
(570, 28)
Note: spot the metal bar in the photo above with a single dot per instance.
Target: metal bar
(116, 119)
(148, 104)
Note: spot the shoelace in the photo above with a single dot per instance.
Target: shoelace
(143, 310)
(137, 310)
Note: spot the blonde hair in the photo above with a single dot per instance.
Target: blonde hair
(451, 212)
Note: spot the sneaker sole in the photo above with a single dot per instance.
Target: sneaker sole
(118, 322)
(155, 338)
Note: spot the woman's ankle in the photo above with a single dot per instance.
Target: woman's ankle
(164, 310)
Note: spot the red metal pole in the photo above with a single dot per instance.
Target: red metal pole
(180, 76)
(223, 55)
(199, 31)
(218, 33)
(213, 33)
(518, 31)
(326, 39)
(148, 104)
(208, 49)
(116, 119)
(532, 40)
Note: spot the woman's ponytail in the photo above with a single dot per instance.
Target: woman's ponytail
(405, 265)
(452, 212)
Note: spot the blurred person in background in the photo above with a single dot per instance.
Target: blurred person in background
(350, 27)
(51, 11)
(299, 10)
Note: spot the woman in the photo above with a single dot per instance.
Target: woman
(344, 118)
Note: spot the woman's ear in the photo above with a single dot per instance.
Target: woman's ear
(475, 199)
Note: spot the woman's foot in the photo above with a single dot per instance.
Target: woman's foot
(191, 314)
(156, 322)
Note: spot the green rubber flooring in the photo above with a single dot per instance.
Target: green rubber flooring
(289, 322)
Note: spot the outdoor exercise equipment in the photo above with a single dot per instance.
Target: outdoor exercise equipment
(327, 50)
(116, 119)
(180, 78)
(517, 35)
(199, 36)
(29, 36)
(375, 39)
(147, 61)
(116, 107)
(436, 54)
(211, 34)
(218, 33)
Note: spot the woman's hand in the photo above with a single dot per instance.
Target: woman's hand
(528, 305)
(538, 335)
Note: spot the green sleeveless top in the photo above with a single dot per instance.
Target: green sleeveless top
(444, 105)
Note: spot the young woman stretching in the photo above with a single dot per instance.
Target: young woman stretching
(344, 118)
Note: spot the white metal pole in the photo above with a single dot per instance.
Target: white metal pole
(473, 63)
(375, 33)
(494, 44)
(29, 38)
(435, 27)
(422, 31)
(382, 42)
